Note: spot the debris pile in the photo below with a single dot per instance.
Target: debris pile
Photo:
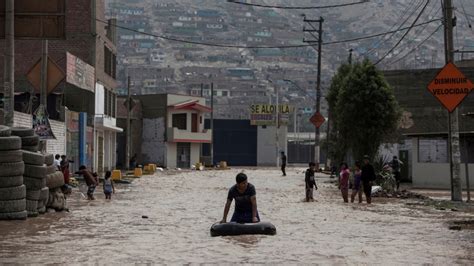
(403, 194)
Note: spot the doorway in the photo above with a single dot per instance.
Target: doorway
(183, 154)
(194, 123)
(100, 155)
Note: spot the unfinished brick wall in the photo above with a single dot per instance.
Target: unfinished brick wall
(79, 41)
(56, 146)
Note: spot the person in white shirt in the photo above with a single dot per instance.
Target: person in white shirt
(56, 162)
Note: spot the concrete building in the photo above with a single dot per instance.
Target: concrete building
(105, 129)
(172, 129)
(424, 129)
(87, 56)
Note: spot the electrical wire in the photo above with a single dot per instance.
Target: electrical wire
(380, 34)
(465, 15)
(383, 40)
(297, 7)
(264, 47)
(404, 35)
(418, 32)
(418, 46)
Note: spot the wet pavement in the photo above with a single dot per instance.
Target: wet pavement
(181, 208)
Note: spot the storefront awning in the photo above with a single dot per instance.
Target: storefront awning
(190, 105)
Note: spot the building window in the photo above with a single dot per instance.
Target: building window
(433, 150)
(106, 102)
(179, 121)
(110, 62)
(224, 93)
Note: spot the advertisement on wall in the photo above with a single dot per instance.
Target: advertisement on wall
(265, 114)
(41, 123)
(79, 73)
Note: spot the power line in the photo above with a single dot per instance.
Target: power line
(405, 34)
(263, 47)
(403, 46)
(418, 46)
(383, 33)
(466, 15)
(297, 7)
(383, 40)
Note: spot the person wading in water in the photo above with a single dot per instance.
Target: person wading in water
(245, 202)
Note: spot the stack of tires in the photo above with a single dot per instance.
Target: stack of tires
(35, 181)
(34, 177)
(44, 195)
(29, 140)
(12, 190)
(55, 182)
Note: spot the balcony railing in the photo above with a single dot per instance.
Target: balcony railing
(177, 135)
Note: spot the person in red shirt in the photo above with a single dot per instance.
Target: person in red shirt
(92, 181)
(64, 166)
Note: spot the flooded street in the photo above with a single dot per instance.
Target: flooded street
(182, 207)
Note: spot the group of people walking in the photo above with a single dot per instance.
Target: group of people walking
(91, 178)
(364, 175)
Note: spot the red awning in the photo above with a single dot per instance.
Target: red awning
(191, 105)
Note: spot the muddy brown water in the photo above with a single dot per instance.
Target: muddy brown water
(182, 207)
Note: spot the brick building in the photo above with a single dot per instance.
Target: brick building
(89, 39)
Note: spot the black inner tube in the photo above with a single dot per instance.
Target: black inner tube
(233, 229)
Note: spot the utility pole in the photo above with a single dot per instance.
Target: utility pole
(319, 40)
(44, 75)
(44, 85)
(466, 163)
(9, 72)
(277, 127)
(350, 56)
(453, 123)
(212, 123)
(127, 145)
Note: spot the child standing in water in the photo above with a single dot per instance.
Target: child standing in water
(344, 181)
(310, 182)
(356, 188)
(108, 185)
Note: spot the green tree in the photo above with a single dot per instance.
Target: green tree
(365, 109)
(338, 145)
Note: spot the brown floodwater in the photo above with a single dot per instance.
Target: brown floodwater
(181, 207)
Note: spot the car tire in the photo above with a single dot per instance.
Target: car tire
(42, 210)
(33, 158)
(49, 159)
(10, 143)
(18, 205)
(33, 194)
(13, 193)
(22, 131)
(51, 169)
(38, 171)
(30, 141)
(12, 169)
(30, 148)
(55, 180)
(22, 215)
(32, 183)
(11, 181)
(5, 131)
(13, 156)
(44, 194)
(31, 205)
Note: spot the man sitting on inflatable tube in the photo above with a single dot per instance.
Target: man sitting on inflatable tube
(245, 202)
